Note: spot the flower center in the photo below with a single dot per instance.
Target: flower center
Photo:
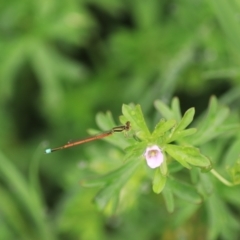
(153, 153)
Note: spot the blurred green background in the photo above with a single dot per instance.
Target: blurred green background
(61, 63)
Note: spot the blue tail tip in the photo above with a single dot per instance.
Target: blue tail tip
(48, 150)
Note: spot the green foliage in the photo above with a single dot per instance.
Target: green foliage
(188, 155)
(184, 152)
(235, 172)
(165, 131)
(184, 191)
(158, 181)
(113, 183)
(64, 61)
(20, 195)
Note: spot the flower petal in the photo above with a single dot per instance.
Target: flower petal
(154, 156)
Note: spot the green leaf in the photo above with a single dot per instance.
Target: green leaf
(176, 109)
(105, 121)
(206, 184)
(189, 155)
(184, 191)
(174, 167)
(113, 182)
(164, 166)
(227, 128)
(221, 220)
(194, 174)
(185, 214)
(12, 213)
(235, 172)
(213, 124)
(177, 155)
(105, 194)
(114, 202)
(168, 198)
(14, 55)
(135, 116)
(186, 120)
(181, 134)
(212, 133)
(118, 173)
(135, 151)
(162, 127)
(225, 12)
(164, 109)
(158, 181)
(18, 186)
(213, 105)
(232, 153)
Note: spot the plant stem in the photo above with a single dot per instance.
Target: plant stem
(222, 179)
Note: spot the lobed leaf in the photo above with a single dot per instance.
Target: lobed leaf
(213, 124)
(162, 127)
(189, 155)
(118, 179)
(181, 134)
(177, 155)
(164, 109)
(105, 121)
(186, 120)
(135, 116)
(109, 177)
(135, 151)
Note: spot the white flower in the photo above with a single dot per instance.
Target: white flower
(154, 156)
